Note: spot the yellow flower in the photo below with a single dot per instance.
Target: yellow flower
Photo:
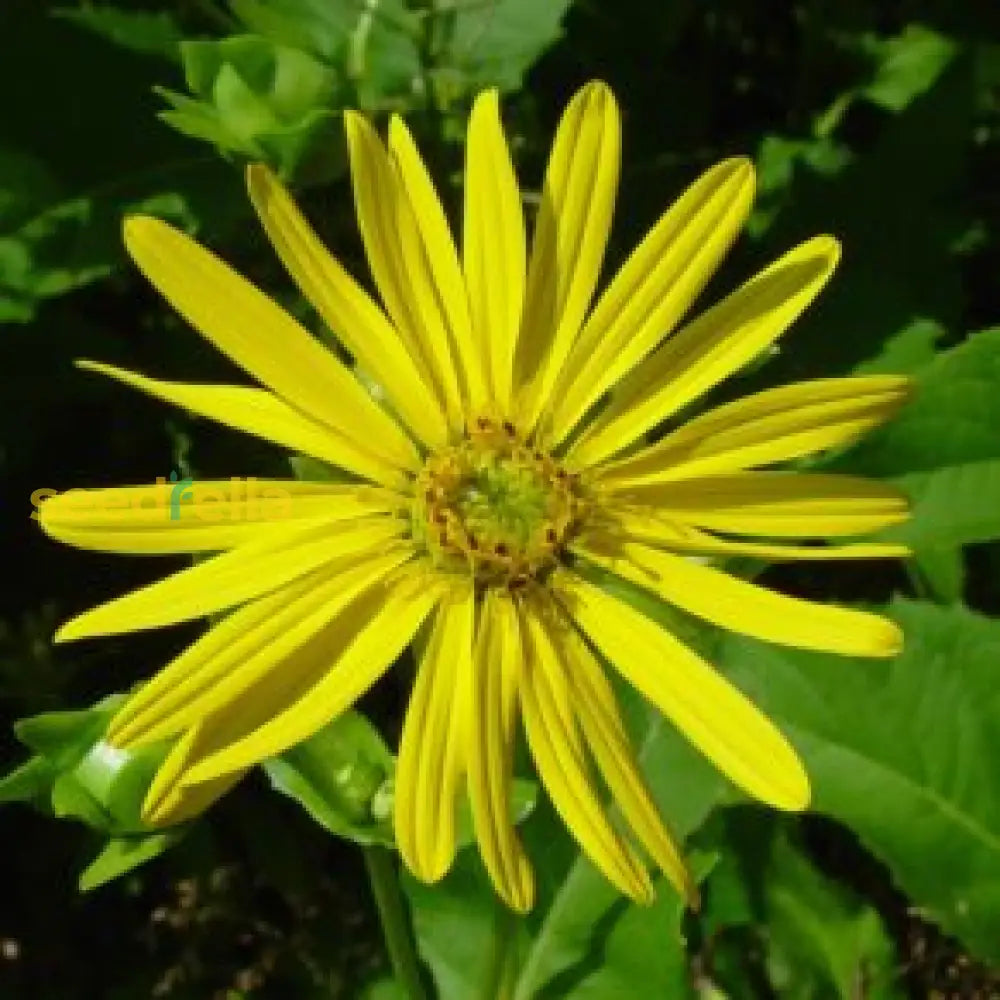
(498, 465)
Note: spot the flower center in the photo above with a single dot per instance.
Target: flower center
(493, 505)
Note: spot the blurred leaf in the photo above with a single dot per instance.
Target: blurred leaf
(322, 27)
(152, 33)
(904, 753)
(384, 989)
(772, 917)
(374, 46)
(908, 350)
(645, 946)
(261, 99)
(340, 776)
(820, 942)
(26, 184)
(950, 421)
(79, 241)
(29, 782)
(459, 924)
(76, 159)
(79, 777)
(903, 67)
(907, 65)
(493, 43)
(122, 854)
(777, 161)
(942, 450)
(71, 800)
(343, 778)
(64, 738)
(898, 227)
(955, 505)
(941, 570)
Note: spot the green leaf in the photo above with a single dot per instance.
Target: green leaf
(72, 800)
(73, 243)
(261, 99)
(123, 854)
(152, 33)
(322, 27)
(951, 419)
(908, 65)
(822, 943)
(771, 914)
(372, 45)
(341, 777)
(26, 185)
(494, 44)
(645, 946)
(904, 753)
(384, 989)
(460, 925)
(65, 737)
(943, 451)
(908, 350)
(940, 570)
(953, 506)
(29, 782)
(73, 163)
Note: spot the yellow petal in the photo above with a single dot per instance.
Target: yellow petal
(431, 748)
(263, 339)
(493, 243)
(441, 256)
(186, 516)
(709, 349)
(554, 741)
(720, 721)
(647, 524)
(571, 233)
(258, 412)
(234, 655)
(654, 288)
(747, 608)
(277, 556)
(358, 323)
(771, 426)
(367, 640)
(491, 694)
(398, 259)
(795, 504)
(169, 799)
(602, 725)
(166, 689)
(167, 802)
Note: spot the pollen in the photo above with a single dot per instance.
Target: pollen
(496, 508)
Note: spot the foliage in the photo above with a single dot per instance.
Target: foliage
(877, 121)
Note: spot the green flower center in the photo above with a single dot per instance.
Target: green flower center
(496, 507)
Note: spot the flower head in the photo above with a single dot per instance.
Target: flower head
(502, 467)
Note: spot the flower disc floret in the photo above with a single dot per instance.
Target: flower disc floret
(497, 507)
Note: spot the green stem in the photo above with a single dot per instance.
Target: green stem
(395, 925)
(498, 984)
